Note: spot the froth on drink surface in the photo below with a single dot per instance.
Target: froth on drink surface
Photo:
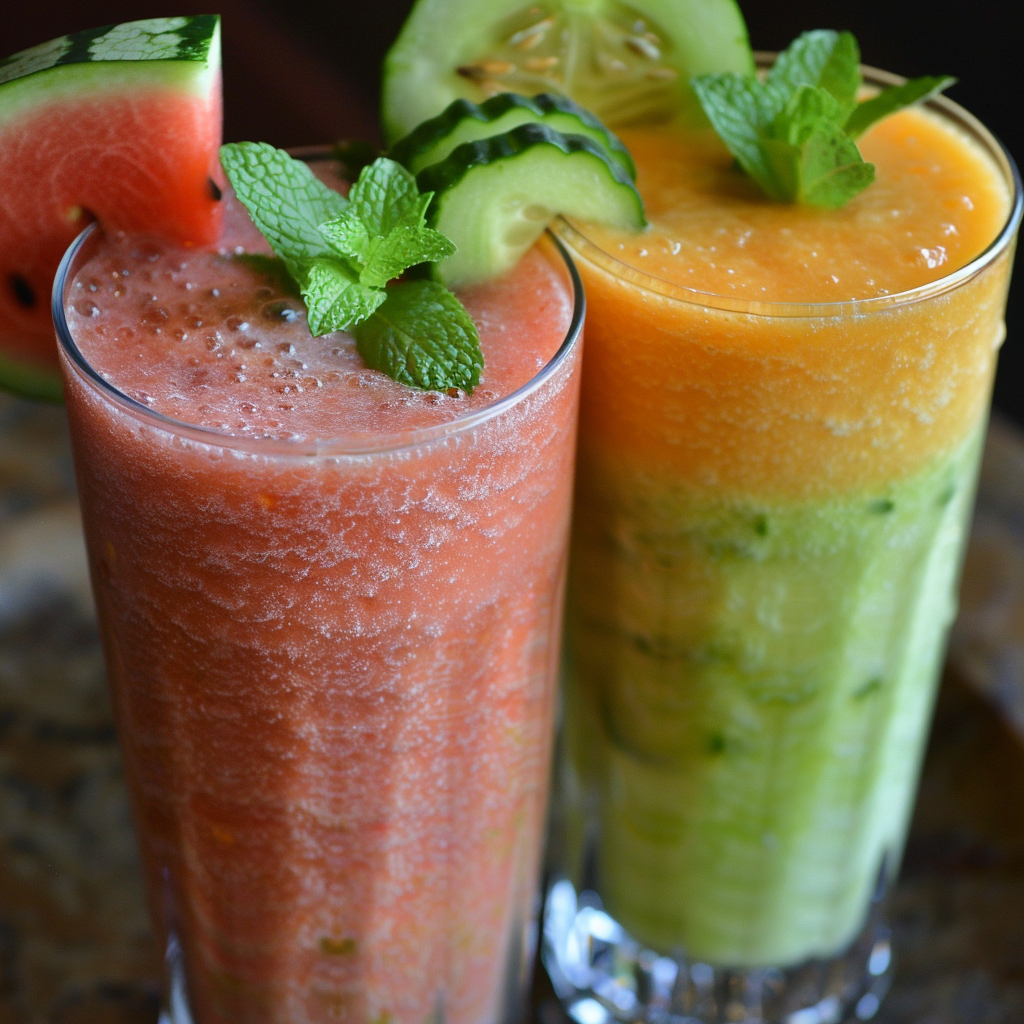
(204, 337)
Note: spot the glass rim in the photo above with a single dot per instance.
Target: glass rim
(339, 445)
(951, 112)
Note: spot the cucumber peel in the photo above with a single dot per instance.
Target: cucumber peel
(463, 121)
(626, 62)
(494, 197)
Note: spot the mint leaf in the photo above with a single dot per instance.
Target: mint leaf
(895, 98)
(284, 198)
(807, 110)
(346, 235)
(384, 228)
(794, 132)
(831, 168)
(335, 298)
(741, 109)
(405, 247)
(422, 336)
(810, 157)
(384, 258)
(386, 196)
(341, 253)
(822, 59)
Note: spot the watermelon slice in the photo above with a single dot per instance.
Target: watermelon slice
(121, 124)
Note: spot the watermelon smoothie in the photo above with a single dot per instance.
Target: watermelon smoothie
(331, 608)
(781, 418)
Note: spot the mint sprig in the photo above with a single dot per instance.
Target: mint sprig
(342, 253)
(894, 98)
(383, 232)
(419, 335)
(794, 132)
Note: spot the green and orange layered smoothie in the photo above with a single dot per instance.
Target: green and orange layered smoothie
(781, 419)
(331, 607)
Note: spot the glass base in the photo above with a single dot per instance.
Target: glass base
(175, 1009)
(603, 976)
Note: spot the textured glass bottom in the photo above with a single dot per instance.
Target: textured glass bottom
(175, 1009)
(603, 976)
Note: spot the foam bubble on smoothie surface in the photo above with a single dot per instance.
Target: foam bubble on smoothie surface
(149, 319)
(934, 206)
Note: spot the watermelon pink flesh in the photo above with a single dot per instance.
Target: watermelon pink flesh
(144, 161)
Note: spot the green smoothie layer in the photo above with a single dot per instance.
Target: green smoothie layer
(750, 699)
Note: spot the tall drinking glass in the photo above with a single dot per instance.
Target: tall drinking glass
(333, 659)
(772, 501)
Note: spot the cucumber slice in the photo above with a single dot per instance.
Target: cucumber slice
(626, 62)
(494, 197)
(464, 121)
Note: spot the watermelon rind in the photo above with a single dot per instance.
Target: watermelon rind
(177, 56)
(29, 382)
(183, 52)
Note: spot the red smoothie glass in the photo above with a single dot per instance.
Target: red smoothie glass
(331, 609)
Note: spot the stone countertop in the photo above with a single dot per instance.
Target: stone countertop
(75, 942)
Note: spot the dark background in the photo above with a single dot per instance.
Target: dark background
(302, 71)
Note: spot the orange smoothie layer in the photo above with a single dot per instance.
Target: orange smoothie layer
(333, 674)
(710, 397)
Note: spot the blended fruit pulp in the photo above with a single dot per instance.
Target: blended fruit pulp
(333, 673)
(771, 508)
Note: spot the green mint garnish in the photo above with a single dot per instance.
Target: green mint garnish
(423, 337)
(895, 98)
(384, 231)
(343, 252)
(334, 301)
(286, 201)
(794, 132)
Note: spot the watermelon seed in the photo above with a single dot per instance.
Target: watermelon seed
(215, 190)
(23, 291)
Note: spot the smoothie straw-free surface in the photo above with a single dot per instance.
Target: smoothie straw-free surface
(782, 413)
(331, 609)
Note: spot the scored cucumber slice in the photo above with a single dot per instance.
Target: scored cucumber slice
(464, 121)
(626, 62)
(494, 197)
